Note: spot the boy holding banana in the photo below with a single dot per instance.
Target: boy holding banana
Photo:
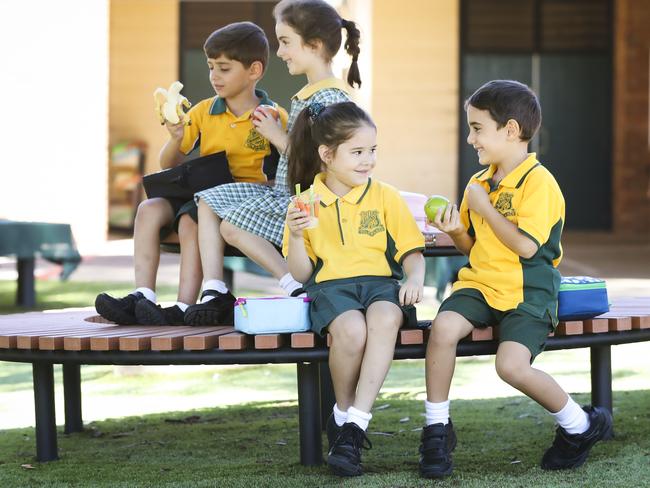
(237, 55)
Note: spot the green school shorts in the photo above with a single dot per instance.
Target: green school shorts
(332, 298)
(514, 325)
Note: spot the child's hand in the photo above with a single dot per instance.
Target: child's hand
(268, 126)
(477, 198)
(410, 293)
(448, 221)
(176, 131)
(297, 220)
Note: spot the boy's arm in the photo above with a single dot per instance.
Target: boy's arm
(507, 232)
(171, 154)
(451, 223)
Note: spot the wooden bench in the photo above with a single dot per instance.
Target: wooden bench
(73, 338)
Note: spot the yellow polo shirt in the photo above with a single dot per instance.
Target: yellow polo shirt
(367, 232)
(215, 128)
(530, 198)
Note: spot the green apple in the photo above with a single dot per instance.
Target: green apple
(434, 203)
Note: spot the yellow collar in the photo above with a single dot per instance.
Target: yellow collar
(512, 179)
(308, 90)
(328, 197)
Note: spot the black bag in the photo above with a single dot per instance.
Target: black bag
(186, 179)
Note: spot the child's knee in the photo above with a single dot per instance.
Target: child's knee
(510, 369)
(447, 330)
(187, 227)
(351, 336)
(153, 210)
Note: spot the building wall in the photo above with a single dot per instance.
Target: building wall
(631, 172)
(54, 129)
(415, 80)
(143, 56)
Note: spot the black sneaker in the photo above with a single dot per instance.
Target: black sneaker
(218, 311)
(118, 310)
(332, 430)
(344, 457)
(571, 450)
(437, 443)
(148, 313)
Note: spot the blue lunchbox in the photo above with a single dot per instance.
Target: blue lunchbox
(582, 297)
(272, 315)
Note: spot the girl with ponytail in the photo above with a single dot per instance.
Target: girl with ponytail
(251, 216)
(351, 245)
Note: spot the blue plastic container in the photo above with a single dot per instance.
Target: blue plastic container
(582, 297)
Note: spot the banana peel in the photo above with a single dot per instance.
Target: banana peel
(169, 104)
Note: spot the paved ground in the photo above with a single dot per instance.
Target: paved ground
(624, 263)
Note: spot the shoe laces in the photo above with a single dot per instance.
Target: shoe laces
(352, 434)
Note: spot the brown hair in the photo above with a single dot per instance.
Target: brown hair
(316, 20)
(318, 125)
(509, 99)
(241, 41)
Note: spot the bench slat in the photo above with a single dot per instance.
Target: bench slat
(570, 327)
(206, 340)
(596, 326)
(269, 341)
(234, 341)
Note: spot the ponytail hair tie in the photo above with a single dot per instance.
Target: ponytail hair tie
(314, 110)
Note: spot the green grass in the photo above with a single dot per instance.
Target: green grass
(500, 444)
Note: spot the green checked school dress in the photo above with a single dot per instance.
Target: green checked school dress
(260, 209)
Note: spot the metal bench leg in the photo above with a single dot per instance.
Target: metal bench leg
(327, 398)
(311, 453)
(25, 295)
(72, 397)
(46, 447)
(601, 378)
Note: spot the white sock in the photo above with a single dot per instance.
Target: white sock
(148, 293)
(358, 417)
(436, 413)
(182, 306)
(288, 284)
(572, 418)
(218, 285)
(340, 417)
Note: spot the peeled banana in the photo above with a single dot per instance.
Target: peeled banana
(169, 104)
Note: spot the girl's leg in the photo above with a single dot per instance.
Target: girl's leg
(447, 329)
(211, 243)
(152, 215)
(513, 366)
(348, 332)
(190, 274)
(383, 321)
(257, 248)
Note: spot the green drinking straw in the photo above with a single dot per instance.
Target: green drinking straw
(297, 189)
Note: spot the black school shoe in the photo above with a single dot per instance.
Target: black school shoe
(437, 443)
(344, 458)
(571, 450)
(118, 310)
(218, 311)
(332, 430)
(148, 313)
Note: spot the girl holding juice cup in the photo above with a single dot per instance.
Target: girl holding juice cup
(350, 263)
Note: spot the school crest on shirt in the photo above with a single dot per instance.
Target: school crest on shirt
(256, 142)
(504, 204)
(370, 223)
